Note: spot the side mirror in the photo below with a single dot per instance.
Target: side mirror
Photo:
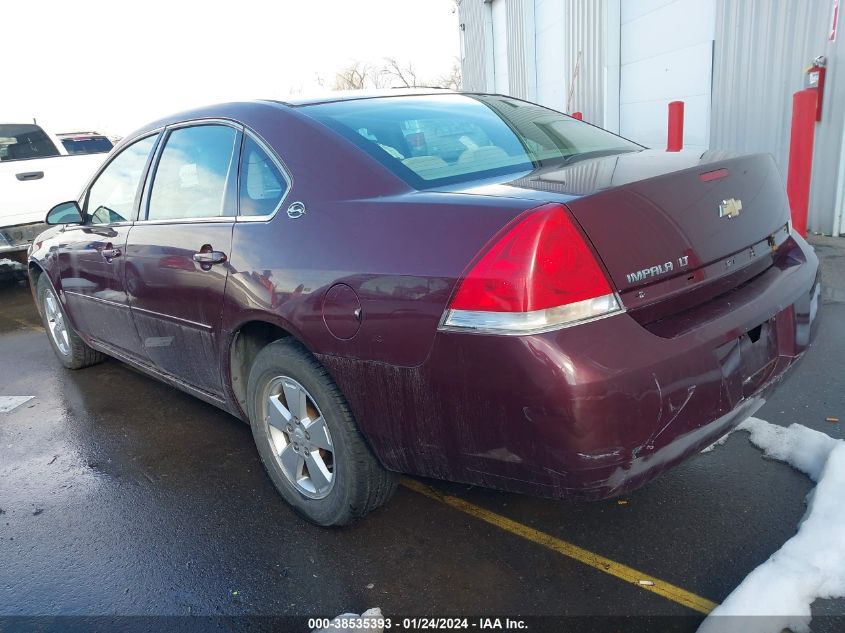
(65, 213)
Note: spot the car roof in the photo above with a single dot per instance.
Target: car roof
(236, 110)
(351, 95)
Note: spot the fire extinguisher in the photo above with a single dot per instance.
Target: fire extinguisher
(814, 78)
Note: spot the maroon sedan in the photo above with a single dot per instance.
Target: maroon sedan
(461, 286)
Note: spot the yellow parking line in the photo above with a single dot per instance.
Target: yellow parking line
(596, 561)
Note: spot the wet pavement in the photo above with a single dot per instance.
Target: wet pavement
(122, 496)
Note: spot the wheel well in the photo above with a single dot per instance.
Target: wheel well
(250, 339)
(34, 272)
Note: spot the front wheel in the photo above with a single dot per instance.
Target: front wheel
(69, 347)
(308, 440)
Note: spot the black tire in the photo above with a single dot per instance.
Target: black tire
(360, 483)
(78, 354)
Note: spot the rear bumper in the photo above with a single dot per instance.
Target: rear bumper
(16, 239)
(590, 411)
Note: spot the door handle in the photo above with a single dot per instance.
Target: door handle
(110, 253)
(206, 257)
(30, 175)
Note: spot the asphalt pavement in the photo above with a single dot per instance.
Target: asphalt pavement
(121, 496)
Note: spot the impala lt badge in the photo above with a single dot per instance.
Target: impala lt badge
(730, 208)
(654, 271)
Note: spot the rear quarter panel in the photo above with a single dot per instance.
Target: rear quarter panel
(402, 256)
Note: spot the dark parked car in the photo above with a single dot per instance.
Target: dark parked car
(551, 309)
(85, 143)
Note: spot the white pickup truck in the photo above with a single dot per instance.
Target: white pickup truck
(36, 173)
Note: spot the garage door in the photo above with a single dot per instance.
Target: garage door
(550, 50)
(666, 55)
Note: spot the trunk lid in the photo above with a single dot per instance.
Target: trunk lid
(672, 229)
(679, 223)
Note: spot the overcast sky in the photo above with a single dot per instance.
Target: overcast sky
(113, 66)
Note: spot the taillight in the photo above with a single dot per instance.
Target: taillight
(539, 274)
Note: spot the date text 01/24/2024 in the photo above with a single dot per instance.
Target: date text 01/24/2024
(415, 624)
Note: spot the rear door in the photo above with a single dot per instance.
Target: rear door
(177, 253)
(91, 256)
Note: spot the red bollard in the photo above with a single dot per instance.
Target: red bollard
(675, 141)
(800, 169)
(578, 115)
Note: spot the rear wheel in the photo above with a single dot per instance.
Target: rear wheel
(69, 347)
(308, 440)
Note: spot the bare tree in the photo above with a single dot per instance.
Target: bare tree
(402, 77)
(452, 79)
(379, 78)
(393, 74)
(356, 76)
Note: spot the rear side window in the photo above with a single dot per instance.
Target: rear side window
(112, 196)
(195, 174)
(430, 140)
(18, 142)
(262, 185)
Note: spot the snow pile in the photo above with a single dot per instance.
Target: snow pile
(11, 270)
(811, 564)
(367, 621)
(718, 442)
(6, 263)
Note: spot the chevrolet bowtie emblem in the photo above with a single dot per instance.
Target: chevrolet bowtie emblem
(730, 208)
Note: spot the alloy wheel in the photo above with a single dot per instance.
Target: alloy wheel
(56, 322)
(299, 437)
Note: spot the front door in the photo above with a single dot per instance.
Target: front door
(91, 256)
(176, 256)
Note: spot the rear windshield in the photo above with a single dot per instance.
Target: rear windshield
(442, 139)
(18, 142)
(87, 145)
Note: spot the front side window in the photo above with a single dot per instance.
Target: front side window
(112, 196)
(18, 142)
(262, 184)
(195, 173)
(430, 140)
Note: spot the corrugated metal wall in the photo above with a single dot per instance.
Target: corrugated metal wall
(583, 32)
(762, 48)
(473, 53)
(517, 67)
